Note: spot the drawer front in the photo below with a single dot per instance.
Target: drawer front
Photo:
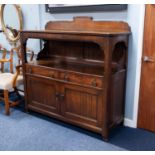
(41, 71)
(85, 80)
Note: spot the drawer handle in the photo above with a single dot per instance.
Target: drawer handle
(59, 96)
(51, 75)
(94, 83)
(66, 77)
(30, 70)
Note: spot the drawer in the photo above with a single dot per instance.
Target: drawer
(82, 79)
(93, 81)
(68, 77)
(41, 71)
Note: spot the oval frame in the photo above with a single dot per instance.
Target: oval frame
(20, 17)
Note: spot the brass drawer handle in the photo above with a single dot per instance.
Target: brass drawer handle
(66, 77)
(94, 83)
(51, 75)
(30, 70)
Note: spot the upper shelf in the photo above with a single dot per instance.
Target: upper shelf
(86, 26)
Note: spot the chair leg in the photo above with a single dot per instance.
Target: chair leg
(6, 101)
(2, 67)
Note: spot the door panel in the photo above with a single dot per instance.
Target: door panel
(83, 105)
(146, 114)
(42, 94)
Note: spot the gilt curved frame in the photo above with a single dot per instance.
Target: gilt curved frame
(20, 17)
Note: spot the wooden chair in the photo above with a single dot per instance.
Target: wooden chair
(10, 81)
(4, 60)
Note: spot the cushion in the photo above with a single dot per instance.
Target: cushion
(6, 81)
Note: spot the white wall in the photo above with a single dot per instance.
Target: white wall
(135, 19)
(35, 18)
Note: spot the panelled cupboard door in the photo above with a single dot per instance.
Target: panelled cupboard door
(146, 114)
(42, 94)
(83, 105)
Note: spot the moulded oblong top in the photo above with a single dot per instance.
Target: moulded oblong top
(85, 26)
(88, 25)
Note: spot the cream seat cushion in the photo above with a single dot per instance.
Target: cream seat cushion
(6, 80)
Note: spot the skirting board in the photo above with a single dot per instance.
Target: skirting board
(129, 123)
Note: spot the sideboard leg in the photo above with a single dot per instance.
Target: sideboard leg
(26, 107)
(105, 135)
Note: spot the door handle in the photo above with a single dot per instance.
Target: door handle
(56, 96)
(62, 96)
(148, 59)
(59, 96)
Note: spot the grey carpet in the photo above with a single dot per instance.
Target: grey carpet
(21, 131)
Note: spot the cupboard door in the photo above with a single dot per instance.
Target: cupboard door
(42, 95)
(83, 105)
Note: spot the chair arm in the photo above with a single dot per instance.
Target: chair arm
(4, 60)
(4, 52)
(16, 75)
(18, 67)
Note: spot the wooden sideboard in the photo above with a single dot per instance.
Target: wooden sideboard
(79, 75)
